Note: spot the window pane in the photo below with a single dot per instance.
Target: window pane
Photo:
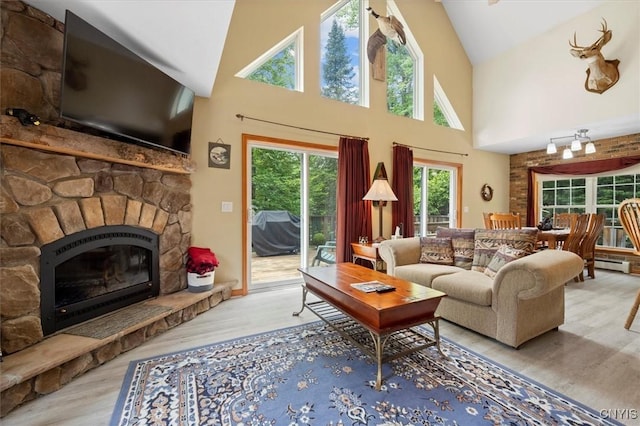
(604, 195)
(623, 192)
(578, 196)
(564, 183)
(280, 70)
(605, 180)
(400, 82)
(548, 197)
(563, 197)
(340, 54)
(549, 184)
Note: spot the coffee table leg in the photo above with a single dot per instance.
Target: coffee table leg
(378, 344)
(304, 301)
(436, 335)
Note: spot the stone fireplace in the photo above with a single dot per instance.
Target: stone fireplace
(49, 198)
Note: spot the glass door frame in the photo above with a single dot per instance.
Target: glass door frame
(250, 141)
(455, 191)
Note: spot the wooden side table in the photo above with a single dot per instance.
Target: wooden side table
(368, 252)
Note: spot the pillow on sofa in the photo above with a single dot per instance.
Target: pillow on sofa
(504, 255)
(488, 241)
(462, 240)
(436, 250)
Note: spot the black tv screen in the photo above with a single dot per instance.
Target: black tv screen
(107, 87)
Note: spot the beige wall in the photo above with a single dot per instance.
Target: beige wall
(538, 87)
(255, 27)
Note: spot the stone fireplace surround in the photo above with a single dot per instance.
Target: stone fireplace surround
(53, 187)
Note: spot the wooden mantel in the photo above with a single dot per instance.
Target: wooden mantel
(69, 142)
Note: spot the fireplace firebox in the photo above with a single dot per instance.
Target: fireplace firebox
(96, 271)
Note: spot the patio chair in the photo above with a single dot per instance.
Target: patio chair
(629, 214)
(325, 253)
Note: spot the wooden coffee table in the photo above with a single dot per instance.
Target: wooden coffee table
(381, 324)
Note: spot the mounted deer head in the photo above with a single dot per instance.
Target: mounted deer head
(602, 73)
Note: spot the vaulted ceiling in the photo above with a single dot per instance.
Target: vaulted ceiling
(185, 38)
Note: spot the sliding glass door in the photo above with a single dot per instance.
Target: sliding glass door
(291, 204)
(435, 197)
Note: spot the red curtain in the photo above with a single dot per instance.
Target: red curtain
(402, 185)
(354, 214)
(583, 168)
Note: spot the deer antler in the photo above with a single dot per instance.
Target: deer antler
(575, 43)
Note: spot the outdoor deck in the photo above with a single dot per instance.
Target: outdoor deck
(268, 269)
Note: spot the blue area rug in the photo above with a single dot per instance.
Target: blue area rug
(310, 375)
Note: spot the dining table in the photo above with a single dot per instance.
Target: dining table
(553, 236)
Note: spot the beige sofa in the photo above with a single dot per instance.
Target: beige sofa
(523, 300)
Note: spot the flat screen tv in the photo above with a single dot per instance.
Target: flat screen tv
(107, 87)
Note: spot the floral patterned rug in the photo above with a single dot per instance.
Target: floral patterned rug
(310, 375)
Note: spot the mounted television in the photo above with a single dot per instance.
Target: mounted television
(107, 87)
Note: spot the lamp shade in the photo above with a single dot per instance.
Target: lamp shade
(551, 148)
(589, 148)
(576, 145)
(380, 191)
(566, 154)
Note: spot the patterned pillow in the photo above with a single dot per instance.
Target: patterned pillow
(462, 240)
(436, 250)
(504, 255)
(488, 241)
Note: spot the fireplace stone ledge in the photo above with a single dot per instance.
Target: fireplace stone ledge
(50, 364)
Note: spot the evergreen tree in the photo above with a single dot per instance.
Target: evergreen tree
(337, 70)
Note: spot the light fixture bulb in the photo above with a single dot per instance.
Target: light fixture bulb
(551, 148)
(566, 154)
(589, 148)
(576, 145)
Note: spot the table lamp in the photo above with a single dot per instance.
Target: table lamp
(380, 191)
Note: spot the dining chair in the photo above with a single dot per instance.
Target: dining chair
(573, 242)
(594, 230)
(486, 216)
(505, 221)
(629, 215)
(564, 220)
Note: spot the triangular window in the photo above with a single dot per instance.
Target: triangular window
(279, 66)
(443, 112)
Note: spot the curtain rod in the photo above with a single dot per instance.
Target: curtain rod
(432, 150)
(242, 117)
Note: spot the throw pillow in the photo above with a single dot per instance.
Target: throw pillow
(436, 250)
(504, 255)
(462, 240)
(488, 241)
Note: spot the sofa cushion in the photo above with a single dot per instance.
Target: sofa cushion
(423, 273)
(436, 250)
(488, 241)
(504, 255)
(470, 286)
(462, 240)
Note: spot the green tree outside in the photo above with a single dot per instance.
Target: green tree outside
(337, 71)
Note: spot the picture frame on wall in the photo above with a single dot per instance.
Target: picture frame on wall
(219, 155)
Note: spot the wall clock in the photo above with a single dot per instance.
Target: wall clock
(486, 192)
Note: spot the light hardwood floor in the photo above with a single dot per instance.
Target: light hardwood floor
(591, 359)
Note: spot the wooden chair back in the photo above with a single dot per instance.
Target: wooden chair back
(565, 220)
(486, 216)
(594, 230)
(505, 221)
(578, 231)
(629, 214)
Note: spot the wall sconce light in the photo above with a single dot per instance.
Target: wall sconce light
(576, 144)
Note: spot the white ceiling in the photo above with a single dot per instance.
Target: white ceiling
(185, 38)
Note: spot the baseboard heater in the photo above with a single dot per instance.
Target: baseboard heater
(613, 265)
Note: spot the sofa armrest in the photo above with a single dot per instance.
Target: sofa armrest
(405, 251)
(528, 294)
(536, 274)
